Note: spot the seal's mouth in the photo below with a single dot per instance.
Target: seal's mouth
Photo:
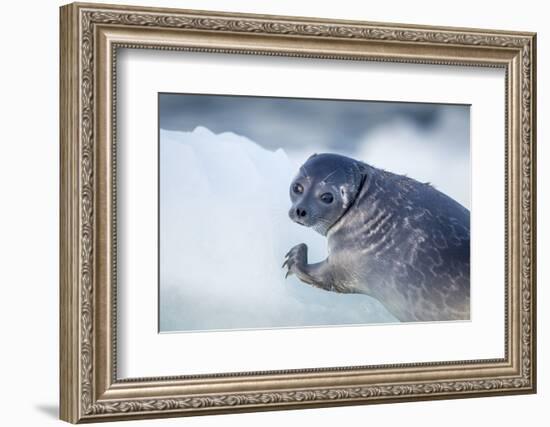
(297, 221)
(303, 221)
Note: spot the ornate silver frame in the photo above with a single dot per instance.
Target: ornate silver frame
(90, 36)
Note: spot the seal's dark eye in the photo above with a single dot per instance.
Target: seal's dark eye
(297, 188)
(327, 198)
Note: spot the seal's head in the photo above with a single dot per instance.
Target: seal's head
(324, 189)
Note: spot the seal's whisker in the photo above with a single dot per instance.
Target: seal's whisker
(325, 179)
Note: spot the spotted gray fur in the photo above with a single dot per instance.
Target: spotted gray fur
(389, 236)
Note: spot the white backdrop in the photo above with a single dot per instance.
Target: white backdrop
(29, 215)
(144, 353)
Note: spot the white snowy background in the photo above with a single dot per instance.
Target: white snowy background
(224, 227)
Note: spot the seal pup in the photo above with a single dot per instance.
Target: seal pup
(389, 236)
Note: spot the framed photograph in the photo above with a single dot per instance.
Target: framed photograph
(266, 212)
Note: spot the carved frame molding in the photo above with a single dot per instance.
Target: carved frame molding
(90, 37)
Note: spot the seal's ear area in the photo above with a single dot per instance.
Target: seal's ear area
(348, 193)
(351, 189)
(311, 157)
(344, 192)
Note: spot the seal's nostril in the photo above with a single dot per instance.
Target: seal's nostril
(301, 212)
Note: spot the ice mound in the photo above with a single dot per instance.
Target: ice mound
(224, 231)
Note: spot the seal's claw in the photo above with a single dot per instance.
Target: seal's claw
(295, 259)
(290, 263)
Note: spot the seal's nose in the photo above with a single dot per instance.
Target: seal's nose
(300, 213)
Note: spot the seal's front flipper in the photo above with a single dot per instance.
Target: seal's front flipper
(296, 260)
(312, 274)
